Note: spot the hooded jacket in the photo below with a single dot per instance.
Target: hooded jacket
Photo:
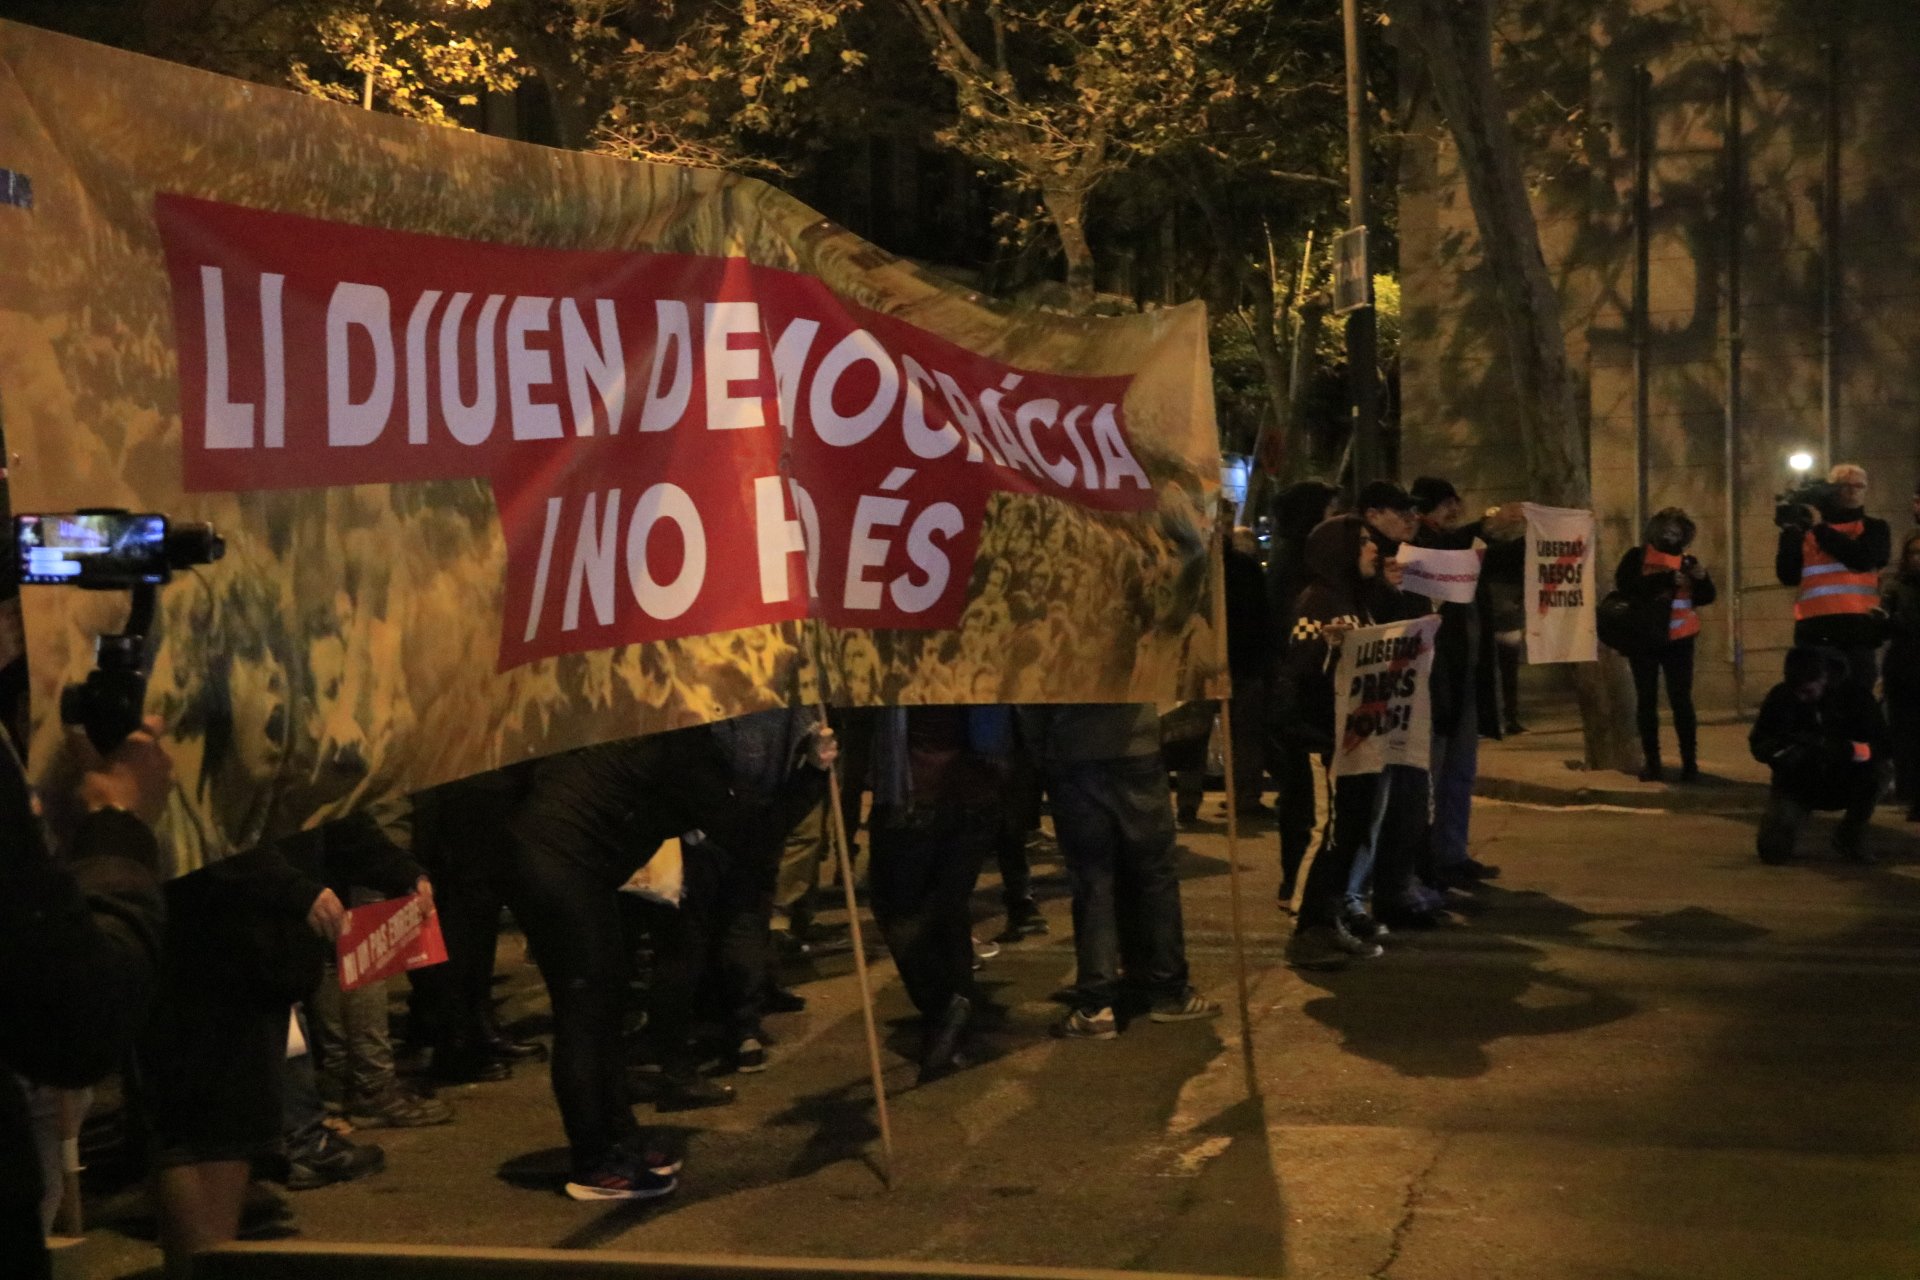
(1335, 593)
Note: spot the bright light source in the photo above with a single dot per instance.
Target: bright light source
(1801, 462)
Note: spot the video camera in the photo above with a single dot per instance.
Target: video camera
(1790, 508)
(107, 549)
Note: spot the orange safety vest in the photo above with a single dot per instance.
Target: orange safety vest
(1685, 622)
(1828, 587)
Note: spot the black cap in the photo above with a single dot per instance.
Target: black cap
(1430, 491)
(1383, 494)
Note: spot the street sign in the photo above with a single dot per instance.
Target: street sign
(1352, 277)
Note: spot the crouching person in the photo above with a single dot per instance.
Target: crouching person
(1822, 736)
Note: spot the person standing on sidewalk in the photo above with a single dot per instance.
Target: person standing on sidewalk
(1115, 827)
(1901, 674)
(1661, 575)
(1834, 555)
(1343, 561)
(1301, 802)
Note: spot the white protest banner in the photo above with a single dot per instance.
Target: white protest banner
(1381, 697)
(1559, 586)
(1449, 576)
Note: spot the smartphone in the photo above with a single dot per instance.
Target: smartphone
(97, 550)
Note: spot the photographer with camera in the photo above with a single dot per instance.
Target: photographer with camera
(80, 937)
(1833, 552)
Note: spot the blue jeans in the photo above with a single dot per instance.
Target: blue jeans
(1115, 828)
(1388, 788)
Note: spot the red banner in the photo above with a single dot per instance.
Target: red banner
(678, 444)
(388, 938)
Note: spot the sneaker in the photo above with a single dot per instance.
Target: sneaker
(1362, 925)
(751, 1056)
(1090, 1024)
(1358, 947)
(1188, 1006)
(395, 1108)
(1313, 947)
(330, 1158)
(983, 952)
(622, 1178)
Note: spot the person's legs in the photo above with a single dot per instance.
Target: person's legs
(1507, 657)
(1017, 819)
(1861, 793)
(1646, 705)
(1249, 743)
(1323, 898)
(1676, 660)
(745, 948)
(1401, 834)
(571, 914)
(1903, 719)
(1089, 839)
(198, 1206)
(1456, 767)
(1303, 809)
(1366, 848)
(902, 881)
(804, 849)
(1780, 826)
(1153, 930)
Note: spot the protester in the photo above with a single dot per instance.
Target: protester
(1300, 799)
(1454, 759)
(1822, 736)
(1342, 562)
(1661, 575)
(1115, 827)
(1833, 554)
(363, 862)
(937, 773)
(80, 942)
(1901, 679)
(316, 1156)
(1384, 877)
(1019, 820)
(1250, 649)
(591, 818)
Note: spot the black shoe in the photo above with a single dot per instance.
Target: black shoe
(1513, 727)
(330, 1158)
(1479, 870)
(1187, 816)
(1652, 772)
(750, 1055)
(1689, 771)
(690, 1092)
(1851, 844)
(1363, 926)
(1913, 814)
(942, 1054)
(508, 1049)
(1410, 918)
(782, 1000)
(466, 1064)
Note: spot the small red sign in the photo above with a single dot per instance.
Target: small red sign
(388, 938)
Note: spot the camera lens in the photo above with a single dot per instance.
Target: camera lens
(192, 542)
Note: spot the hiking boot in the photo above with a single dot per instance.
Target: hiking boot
(395, 1108)
(330, 1158)
(1188, 1006)
(1090, 1024)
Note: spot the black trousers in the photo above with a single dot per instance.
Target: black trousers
(1903, 719)
(1301, 807)
(569, 904)
(1019, 817)
(1324, 897)
(460, 839)
(924, 867)
(1854, 790)
(1675, 660)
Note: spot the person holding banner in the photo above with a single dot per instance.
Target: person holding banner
(592, 818)
(1661, 576)
(1298, 511)
(1343, 562)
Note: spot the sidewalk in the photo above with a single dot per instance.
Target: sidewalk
(1547, 765)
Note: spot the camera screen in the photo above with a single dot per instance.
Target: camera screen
(92, 550)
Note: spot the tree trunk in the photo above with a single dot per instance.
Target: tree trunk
(1067, 207)
(1298, 459)
(1455, 41)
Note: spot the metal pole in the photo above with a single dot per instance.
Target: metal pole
(1736, 224)
(1642, 252)
(1830, 265)
(1362, 338)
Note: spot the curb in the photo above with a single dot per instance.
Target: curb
(1707, 799)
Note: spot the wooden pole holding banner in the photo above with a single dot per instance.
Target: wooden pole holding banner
(1217, 573)
(837, 836)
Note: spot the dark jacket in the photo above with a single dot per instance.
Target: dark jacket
(1250, 647)
(1657, 589)
(1809, 746)
(1297, 512)
(79, 945)
(1867, 553)
(1081, 732)
(1335, 592)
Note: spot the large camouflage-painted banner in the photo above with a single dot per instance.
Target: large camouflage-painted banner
(517, 450)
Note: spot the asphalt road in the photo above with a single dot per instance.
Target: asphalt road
(1641, 1054)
